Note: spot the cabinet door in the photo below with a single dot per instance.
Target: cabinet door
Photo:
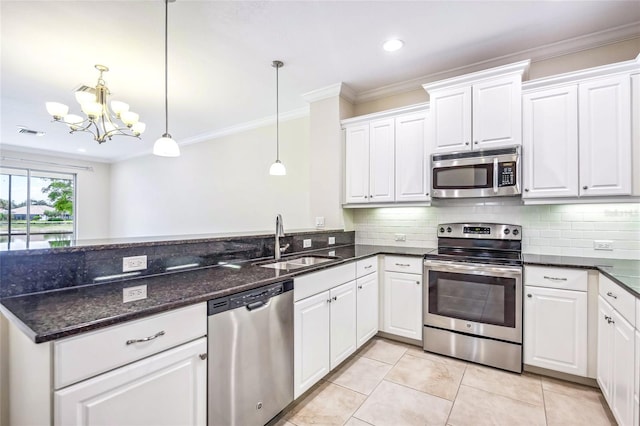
(357, 164)
(497, 112)
(555, 332)
(412, 158)
(550, 143)
(605, 353)
(451, 119)
(311, 341)
(165, 389)
(605, 136)
(637, 379)
(403, 304)
(382, 161)
(367, 307)
(343, 322)
(623, 364)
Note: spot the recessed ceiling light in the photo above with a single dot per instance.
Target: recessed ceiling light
(392, 45)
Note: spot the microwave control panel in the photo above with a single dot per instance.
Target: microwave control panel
(507, 174)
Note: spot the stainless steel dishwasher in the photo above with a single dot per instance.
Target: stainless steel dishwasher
(250, 378)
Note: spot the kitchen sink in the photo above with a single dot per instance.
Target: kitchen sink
(297, 263)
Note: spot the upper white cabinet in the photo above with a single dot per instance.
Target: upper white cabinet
(605, 136)
(577, 134)
(477, 111)
(550, 142)
(387, 157)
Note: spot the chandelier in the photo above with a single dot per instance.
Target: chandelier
(101, 121)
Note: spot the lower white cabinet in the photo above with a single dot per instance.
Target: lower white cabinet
(403, 304)
(616, 362)
(169, 388)
(324, 334)
(343, 322)
(637, 379)
(367, 307)
(555, 329)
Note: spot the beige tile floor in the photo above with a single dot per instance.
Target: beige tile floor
(390, 383)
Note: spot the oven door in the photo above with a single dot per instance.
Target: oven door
(478, 299)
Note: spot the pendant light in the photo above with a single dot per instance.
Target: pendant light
(166, 146)
(277, 168)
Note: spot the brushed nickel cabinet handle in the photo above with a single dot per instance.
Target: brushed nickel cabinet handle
(611, 295)
(554, 278)
(146, 339)
(403, 264)
(368, 267)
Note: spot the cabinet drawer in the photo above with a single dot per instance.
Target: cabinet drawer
(409, 265)
(89, 354)
(366, 266)
(562, 278)
(317, 282)
(621, 300)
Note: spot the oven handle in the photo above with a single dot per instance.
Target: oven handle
(473, 268)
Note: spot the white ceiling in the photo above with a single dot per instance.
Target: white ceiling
(220, 55)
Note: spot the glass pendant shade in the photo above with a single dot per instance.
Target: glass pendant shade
(92, 109)
(277, 169)
(130, 118)
(119, 107)
(138, 128)
(84, 97)
(56, 109)
(166, 147)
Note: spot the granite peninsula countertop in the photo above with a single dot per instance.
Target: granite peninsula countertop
(52, 315)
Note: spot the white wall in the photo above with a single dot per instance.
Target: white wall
(567, 230)
(222, 185)
(92, 191)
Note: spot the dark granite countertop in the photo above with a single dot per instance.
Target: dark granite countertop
(626, 273)
(55, 314)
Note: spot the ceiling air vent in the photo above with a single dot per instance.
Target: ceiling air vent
(26, 131)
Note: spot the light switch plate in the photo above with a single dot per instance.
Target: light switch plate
(319, 221)
(130, 294)
(306, 243)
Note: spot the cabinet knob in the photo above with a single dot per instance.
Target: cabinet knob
(328, 300)
(427, 194)
(334, 298)
(585, 187)
(203, 356)
(529, 296)
(360, 287)
(366, 196)
(418, 282)
(370, 196)
(466, 143)
(526, 190)
(476, 142)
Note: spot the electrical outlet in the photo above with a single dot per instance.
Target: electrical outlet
(134, 263)
(401, 237)
(332, 240)
(306, 243)
(603, 245)
(332, 253)
(130, 294)
(320, 222)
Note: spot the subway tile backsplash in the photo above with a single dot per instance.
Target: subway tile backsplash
(567, 230)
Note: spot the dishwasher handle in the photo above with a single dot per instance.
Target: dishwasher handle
(256, 305)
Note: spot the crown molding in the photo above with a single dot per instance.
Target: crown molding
(332, 91)
(385, 114)
(517, 68)
(536, 54)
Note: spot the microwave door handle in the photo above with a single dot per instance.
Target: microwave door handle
(495, 175)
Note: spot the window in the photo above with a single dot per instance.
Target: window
(37, 208)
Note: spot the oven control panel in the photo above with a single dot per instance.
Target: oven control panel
(492, 231)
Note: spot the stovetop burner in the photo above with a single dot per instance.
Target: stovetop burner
(479, 243)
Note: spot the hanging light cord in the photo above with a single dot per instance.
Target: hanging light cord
(277, 116)
(166, 55)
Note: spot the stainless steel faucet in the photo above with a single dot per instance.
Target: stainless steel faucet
(279, 233)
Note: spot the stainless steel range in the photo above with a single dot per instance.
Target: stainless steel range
(473, 294)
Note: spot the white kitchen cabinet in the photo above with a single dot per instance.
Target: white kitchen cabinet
(165, 389)
(616, 350)
(342, 323)
(381, 161)
(637, 376)
(357, 164)
(311, 340)
(324, 323)
(556, 319)
(550, 142)
(387, 157)
(605, 136)
(403, 304)
(412, 167)
(367, 307)
(555, 332)
(477, 111)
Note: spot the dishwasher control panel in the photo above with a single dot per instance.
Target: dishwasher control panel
(251, 298)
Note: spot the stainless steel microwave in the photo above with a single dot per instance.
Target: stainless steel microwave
(488, 173)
